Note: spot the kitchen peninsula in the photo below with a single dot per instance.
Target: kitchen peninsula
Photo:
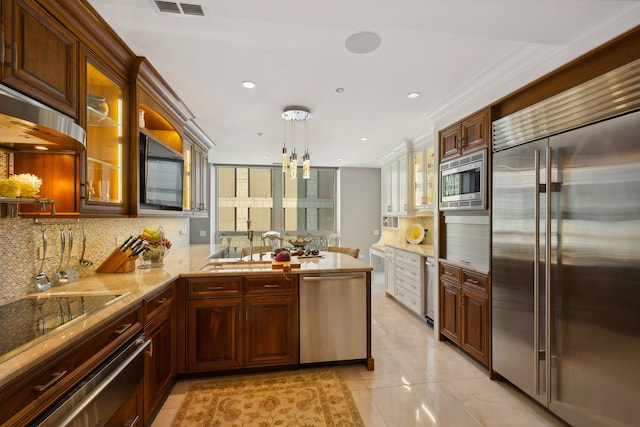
(185, 295)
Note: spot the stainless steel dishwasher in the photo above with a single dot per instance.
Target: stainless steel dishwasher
(333, 317)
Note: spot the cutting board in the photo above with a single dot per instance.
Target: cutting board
(279, 265)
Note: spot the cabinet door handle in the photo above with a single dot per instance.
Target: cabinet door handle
(161, 301)
(132, 423)
(124, 328)
(271, 286)
(214, 288)
(448, 273)
(475, 282)
(55, 377)
(150, 351)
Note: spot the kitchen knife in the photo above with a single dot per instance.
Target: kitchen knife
(123, 246)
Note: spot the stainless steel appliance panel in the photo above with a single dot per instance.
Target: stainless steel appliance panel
(333, 317)
(595, 275)
(430, 293)
(518, 254)
(566, 235)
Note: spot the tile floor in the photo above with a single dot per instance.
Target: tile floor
(418, 380)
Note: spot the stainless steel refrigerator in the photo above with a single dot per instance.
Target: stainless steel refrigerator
(566, 271)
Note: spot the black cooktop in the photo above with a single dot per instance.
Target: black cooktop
(27, 320)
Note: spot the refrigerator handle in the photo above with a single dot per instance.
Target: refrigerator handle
(536, 278)
(547, 278)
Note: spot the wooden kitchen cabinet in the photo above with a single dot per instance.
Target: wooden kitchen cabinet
(40, 56)
(237, 322)
(271, 331)
(465, 316)
(213, 317)
(271, 322)
(470, 134)
(104, 177)
(195, 178)
(160, 358)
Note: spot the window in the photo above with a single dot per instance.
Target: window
(272, 201)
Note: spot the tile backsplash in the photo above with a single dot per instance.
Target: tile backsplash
(22, 242)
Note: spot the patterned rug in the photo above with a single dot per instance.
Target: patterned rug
(307, 397)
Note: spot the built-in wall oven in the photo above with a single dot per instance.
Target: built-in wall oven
(463, 182)
(97, 398)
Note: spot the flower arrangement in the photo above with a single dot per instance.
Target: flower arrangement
(156, 245)
(23, 185)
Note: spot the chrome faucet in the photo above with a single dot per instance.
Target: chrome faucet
(250, 237)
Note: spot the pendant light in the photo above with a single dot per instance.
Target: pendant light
(292, 115)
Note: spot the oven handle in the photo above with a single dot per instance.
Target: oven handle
(142, 343)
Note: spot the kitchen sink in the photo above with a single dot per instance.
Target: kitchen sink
(26, 321)
(237, 265)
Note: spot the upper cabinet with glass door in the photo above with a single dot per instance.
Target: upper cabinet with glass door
(104, 178)
(423, 177)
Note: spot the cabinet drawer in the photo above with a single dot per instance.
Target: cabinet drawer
(152, 305)
(410, 300)
(271, 285)
(408, 257)
(412, 286)
(450, 273)
(214, 287)
(475, 281)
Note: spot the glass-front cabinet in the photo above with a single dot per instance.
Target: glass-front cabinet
(104, 178)
(423, 160)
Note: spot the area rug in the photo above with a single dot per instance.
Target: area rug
(306, 397)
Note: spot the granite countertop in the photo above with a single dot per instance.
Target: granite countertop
(140, 283)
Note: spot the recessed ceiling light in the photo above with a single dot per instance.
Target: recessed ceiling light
(248, 84)
(413, 95)
(259, 133)
(364, 138)
(339, 89)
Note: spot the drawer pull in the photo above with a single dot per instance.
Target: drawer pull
(161, 301)
(124, 328)
(215, 288)
(271, 286)
(55, 377)
(475, 282)
(448, 273)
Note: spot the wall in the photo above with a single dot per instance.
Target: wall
(22, 242)
(359, 208)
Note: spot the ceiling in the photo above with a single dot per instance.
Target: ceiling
(460, 55)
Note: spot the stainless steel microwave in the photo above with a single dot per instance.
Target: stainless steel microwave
(463, 182)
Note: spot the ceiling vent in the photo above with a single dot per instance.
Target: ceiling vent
(180, 8)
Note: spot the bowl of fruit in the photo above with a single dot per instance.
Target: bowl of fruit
(156, 247)
(300, 243)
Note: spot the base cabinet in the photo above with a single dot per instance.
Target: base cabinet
(213, 334)
(234, 322)
(160, 357)
(465, 311)
(271, 331)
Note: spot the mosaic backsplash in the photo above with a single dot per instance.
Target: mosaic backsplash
(22, 242)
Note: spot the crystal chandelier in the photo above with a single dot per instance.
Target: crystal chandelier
(291, 116)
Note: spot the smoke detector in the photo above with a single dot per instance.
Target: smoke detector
(190, 9)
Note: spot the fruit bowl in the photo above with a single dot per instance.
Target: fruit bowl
(300, 243)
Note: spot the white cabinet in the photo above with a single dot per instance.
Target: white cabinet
(390, 270)
(410, 280)
(394, 185)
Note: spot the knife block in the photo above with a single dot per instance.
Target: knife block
(118, 262)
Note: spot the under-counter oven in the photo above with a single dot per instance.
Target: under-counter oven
(97, 398)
